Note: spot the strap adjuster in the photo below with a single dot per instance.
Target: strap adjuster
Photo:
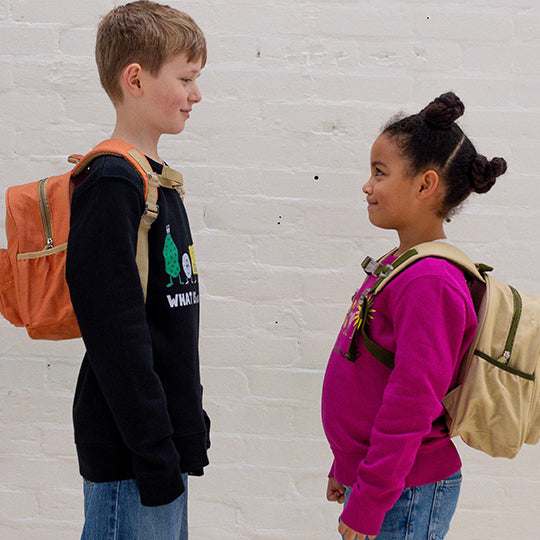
(385, 271)
(375, 268)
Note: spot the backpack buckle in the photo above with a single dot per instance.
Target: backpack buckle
(370, 265)
(151, 211)
(385, 271)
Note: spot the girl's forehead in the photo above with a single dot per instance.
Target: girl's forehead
(385, 146)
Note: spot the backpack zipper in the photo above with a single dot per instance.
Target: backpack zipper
(45, 211)
(518, 307)
(504, 359)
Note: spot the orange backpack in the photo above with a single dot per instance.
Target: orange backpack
(33, 288)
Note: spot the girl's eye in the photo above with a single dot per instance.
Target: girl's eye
(186, 80)
(378, 172)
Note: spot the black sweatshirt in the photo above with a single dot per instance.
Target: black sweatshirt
(138, 402)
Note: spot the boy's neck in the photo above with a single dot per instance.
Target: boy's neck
(131, 132)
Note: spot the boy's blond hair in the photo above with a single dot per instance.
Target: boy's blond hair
(146, 33)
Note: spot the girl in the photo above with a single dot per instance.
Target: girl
(395, 467)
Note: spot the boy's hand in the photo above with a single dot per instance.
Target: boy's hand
(335, 491)
(348, 534)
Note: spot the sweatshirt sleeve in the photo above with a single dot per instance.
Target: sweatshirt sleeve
(108, 301)
(430, 320)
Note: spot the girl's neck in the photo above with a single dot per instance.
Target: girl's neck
(409, 239)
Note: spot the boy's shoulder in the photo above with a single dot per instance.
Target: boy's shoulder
(111, 168)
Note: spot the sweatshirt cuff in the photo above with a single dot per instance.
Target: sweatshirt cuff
(157, 491)
(365, 519)
(331, 474)
(158, 474)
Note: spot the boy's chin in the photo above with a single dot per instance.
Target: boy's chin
(175, 130)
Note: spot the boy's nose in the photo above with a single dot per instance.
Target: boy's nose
(195, 95)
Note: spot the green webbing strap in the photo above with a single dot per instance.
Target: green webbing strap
(383, 355)
(391, 267)
(386, 273)
(383, 272)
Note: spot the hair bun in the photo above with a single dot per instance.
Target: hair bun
(443, 111)
(484, 173)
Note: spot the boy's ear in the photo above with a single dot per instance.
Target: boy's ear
(428, 184)
(131, 79)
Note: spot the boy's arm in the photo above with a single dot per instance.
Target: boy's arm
(107, 297)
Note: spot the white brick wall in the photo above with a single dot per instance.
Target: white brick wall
(292, 90)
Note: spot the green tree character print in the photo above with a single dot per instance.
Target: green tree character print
(170, 254)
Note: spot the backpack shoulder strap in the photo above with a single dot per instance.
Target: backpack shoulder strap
(386, 273)
(440, 250)
(139, 162)
(115, 147)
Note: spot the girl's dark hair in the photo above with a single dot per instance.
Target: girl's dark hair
(431, 139)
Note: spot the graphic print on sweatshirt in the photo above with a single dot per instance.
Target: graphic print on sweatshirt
(181, 267)
(170, 253)
(353, 322)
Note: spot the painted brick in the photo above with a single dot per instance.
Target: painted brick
(292, 91)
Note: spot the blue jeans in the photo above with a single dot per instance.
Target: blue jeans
(113, 511)
(422, 512)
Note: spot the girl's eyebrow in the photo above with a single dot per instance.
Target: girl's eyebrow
(377, 163)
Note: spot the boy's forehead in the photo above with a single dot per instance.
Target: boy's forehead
(180, 61)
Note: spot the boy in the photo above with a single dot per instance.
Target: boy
(139, 423)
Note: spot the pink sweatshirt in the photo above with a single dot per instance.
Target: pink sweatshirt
(386, 427)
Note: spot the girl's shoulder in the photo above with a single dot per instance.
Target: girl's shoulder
(430, 270)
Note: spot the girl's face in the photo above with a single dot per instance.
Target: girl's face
(391, 191)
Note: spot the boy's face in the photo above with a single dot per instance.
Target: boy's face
(169, 96)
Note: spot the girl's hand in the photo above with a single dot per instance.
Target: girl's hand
(335, 491)
(349, 534)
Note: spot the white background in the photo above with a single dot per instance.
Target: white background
(293, 90)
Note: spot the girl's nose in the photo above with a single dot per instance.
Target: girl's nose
(366, 188)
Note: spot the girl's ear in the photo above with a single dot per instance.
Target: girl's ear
(428, 184)
(130, 79)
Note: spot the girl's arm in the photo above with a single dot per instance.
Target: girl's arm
(430, 318)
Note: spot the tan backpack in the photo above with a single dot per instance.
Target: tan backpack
(33, 287)
(495, 406)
